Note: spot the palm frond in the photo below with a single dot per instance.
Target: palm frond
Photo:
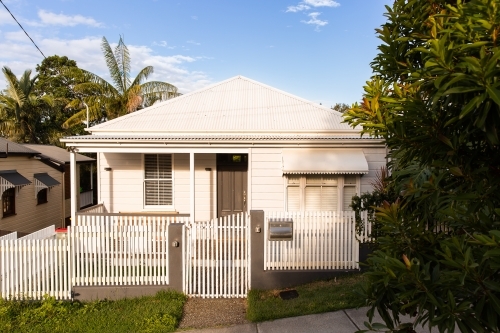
(122, 57)
(134, 99)
(75, 119)
(143, 75)
(113, 66)
(14, 91)
(95, 114)
(157, 91)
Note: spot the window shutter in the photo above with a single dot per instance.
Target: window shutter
(312, 198)
(330, 198)
(158, 180)
(349, 192)
(293, 198)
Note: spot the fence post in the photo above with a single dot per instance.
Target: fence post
(175, 252)
(256, 247)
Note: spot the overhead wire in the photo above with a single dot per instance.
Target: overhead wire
(23, 29)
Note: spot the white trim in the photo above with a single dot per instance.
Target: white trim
(73, 182)
(192, 193)
(249, 180)
(5, 185)
(39, 186)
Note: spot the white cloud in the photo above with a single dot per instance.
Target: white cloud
(297, 8)
(5, 18)
(194, 17)
(49, 18)
(22, 55)
(193, 42)
(314, 20)
(322, 3)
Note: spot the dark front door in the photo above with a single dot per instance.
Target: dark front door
(231, 183)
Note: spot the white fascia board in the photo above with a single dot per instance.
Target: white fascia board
(98, 132)
(161, 150)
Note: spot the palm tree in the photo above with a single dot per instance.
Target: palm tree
(106, 100)
(22, 112)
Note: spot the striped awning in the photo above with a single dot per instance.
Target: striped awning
(324, 161)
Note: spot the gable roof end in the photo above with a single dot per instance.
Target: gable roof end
(237, 105)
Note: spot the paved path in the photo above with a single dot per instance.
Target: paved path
(344, 321)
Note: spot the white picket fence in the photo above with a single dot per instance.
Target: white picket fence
(217, 257)
(47, 232)
(120, 250)
(31, 268)
(100, 250)
(12, 235)
(321, 240)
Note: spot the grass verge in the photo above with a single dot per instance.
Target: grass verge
(159, 313)
(316, 297)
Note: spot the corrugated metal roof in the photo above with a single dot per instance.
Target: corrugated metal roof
(57, 154)
(238, 104)
(15, 148)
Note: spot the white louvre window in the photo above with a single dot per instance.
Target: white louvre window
(320, 192)
(312, 193)
(349, 191)
(158, 180)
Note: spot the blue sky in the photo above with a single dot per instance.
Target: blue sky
(317, 49)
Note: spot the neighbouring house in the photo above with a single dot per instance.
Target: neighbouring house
(234, 146)
(59, 158)
(32, 187)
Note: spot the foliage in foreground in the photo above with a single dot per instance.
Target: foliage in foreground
(316, 297)
(160, 313)
(436, 102)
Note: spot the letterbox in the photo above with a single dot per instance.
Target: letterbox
(280, 229)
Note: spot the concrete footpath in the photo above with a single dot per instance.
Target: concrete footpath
(344, 321)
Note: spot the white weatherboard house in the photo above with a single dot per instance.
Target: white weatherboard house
(234, 146)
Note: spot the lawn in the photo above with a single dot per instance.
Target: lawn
(316, 297)
(160, 313)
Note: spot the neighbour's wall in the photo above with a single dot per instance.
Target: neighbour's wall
(121, 189)
(31, 217)
(267, 181)
(376, 159)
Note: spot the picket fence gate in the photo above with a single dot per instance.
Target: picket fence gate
(217, 257)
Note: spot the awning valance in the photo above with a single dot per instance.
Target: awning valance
(324, 161)
(43, 180)
(10, 179)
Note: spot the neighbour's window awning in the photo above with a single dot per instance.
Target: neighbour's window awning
(43, 180)
(324, 161)
(10, 179)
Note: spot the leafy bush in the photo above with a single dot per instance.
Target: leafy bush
(435, 100)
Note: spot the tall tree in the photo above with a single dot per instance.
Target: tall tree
(54, 78)
(106, 100)
(341, 107)
(436, 102)
(23, 114)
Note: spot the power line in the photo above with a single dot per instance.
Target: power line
(23, 29)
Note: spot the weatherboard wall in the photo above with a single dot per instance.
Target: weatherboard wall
(29, 216)
(121, 188)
